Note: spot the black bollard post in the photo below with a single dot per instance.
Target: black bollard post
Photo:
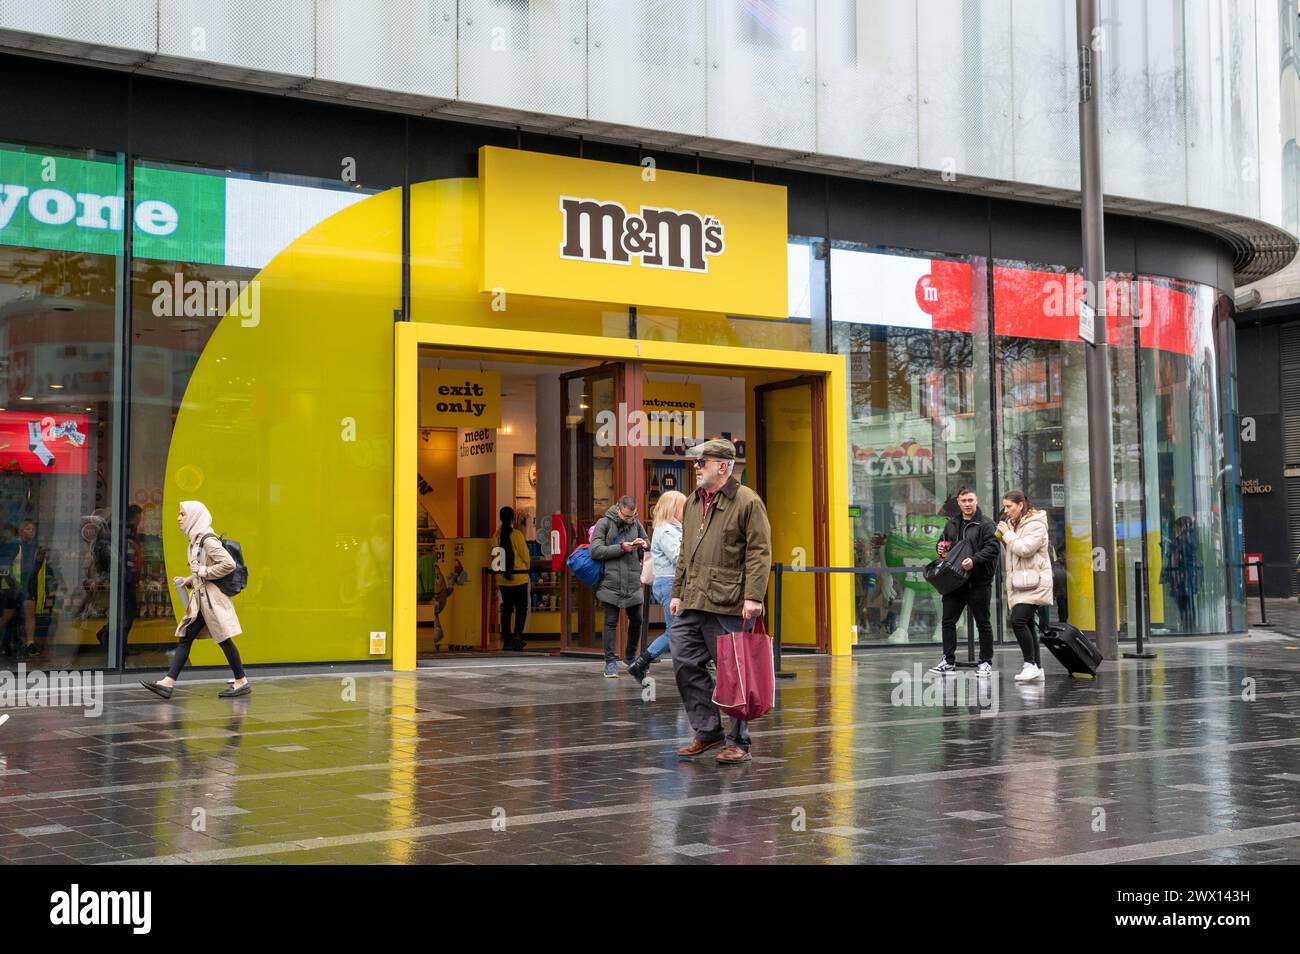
(776, 625)
(1263, 612)
(1141, 595)
(970, 661)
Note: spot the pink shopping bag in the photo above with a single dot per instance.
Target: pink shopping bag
(746, 687)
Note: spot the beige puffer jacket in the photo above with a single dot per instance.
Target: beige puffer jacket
(1027, 548)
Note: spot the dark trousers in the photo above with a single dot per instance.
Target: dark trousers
(611, 631)
(693, 640)
(1023, 620)
(514, 603)
(182, 654)
(974, 598)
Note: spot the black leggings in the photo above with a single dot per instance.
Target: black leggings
(514, 602)
(182, 654)
(1023, 622)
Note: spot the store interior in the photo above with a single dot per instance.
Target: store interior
(540, 450)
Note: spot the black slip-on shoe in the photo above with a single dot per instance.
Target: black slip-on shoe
(230, 693)
(159, 690)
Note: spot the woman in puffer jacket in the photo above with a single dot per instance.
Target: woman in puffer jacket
(1028, 565)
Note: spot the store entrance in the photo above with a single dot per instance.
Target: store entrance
(559, 441)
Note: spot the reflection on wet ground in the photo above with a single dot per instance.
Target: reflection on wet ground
(1191, 757)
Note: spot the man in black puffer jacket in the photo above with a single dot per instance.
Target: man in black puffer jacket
(971, 526)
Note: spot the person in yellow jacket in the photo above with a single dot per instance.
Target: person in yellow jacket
(513, 582)
(23, 587)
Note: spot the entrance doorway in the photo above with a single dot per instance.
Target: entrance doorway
(559, 438)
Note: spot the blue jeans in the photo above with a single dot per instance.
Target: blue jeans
(662, 590)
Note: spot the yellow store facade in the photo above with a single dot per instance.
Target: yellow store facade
(346, 451)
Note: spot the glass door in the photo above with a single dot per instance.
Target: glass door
(791, 479)
(591, 473)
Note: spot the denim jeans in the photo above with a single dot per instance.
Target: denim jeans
(662, 590)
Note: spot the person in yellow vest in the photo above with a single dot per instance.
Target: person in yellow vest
(513, 581)
(23, 587)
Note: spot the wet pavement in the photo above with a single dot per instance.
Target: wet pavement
(1189, 758)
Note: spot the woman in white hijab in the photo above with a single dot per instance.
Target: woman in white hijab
(209, 612)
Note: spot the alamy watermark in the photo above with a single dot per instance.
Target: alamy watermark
(179, 298)
(961, 688)
(640, 428)
(44, 689)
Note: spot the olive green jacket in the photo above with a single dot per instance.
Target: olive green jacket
(727, 554)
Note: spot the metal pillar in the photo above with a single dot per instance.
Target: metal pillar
(1101, 453)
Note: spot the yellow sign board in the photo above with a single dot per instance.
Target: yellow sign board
(560, 227)
(676, 408)
(459, 398)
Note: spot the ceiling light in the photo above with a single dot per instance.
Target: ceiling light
(56, 387)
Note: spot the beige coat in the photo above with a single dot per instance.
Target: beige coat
(219, 618)
(1027, 548)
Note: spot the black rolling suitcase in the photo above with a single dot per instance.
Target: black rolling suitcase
(1073, 650)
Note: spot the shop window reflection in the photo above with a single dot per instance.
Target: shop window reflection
(910, 327)
(231, 226)
(1184, 447)
(60, 257)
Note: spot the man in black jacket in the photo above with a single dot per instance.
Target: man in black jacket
(971, 526)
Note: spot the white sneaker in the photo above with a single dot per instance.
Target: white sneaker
(984, 669)
(1029, 671)
(1038, 673)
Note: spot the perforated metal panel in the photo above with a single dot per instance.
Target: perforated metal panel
(646, 64)
(1045, 88)
(761, 73)
(964, 76)
(1289, 337)
(524, 55)
(1143, 102)
(131, 24)
(276, 37)
(1222, 125)
(867, 80)
(406, 46)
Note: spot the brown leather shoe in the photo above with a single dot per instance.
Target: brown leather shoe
(696, 748)
(733, 755)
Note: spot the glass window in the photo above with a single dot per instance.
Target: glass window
(919, 407)
(61, 243)
(1183, 444)
(1042, 399)
(261, 385)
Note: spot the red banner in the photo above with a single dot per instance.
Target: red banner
(1028, 303)
(43, 443)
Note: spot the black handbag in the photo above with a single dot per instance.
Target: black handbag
(947, 574)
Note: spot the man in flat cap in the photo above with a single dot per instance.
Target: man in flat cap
(721, 579)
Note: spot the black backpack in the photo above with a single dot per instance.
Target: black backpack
(233, 582)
